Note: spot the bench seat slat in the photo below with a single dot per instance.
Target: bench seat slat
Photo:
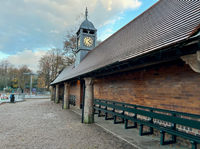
(156, 126)
(177, 120)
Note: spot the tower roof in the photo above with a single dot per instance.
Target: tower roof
(87, 24)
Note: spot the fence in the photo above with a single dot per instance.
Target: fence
(44, 93)
(21, 96)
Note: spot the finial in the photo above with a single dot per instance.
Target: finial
(86, 13)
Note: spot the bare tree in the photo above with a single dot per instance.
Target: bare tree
(6, 74)
(51, 64)
(22, 79)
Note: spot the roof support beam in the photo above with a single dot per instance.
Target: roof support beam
(128, 64)
(110, 67)
(158, 56)
(141, 61)
(178, 52)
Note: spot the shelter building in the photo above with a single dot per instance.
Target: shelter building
(153, 61)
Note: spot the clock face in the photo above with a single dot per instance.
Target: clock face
(88, 41)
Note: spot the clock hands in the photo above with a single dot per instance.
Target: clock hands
(88, 41)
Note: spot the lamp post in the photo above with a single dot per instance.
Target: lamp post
(29, 73)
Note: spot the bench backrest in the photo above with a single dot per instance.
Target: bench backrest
(173, 116)
(73, 97)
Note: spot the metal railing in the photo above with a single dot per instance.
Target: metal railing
(21, 96)
(44, 93)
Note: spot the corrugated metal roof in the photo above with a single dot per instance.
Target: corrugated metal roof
(163, 24)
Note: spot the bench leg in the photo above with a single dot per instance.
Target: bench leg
(99, 113)
(141, 129)
(128, 127)
(162, 139)
(115, 120)
(194, 144)
(106, 117)
(173, 138)
(95, 111)
(146, 133)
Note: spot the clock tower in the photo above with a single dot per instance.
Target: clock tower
(86, 39)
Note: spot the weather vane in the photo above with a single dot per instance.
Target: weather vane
(86, 13)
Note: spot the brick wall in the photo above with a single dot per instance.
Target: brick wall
(61, 90)
(171, 88)
(75, 89)
(60, 93)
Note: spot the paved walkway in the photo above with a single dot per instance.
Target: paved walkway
(130, 136)
(41, 124)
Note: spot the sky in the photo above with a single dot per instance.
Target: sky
(29, 28)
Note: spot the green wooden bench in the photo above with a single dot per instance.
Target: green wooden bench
(172, 117)
(72, 100)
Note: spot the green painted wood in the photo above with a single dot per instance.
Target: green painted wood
(156, 126)
(154, 109)
(194, 144)
(177, 120)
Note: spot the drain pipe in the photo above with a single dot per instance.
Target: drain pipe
(83, 104)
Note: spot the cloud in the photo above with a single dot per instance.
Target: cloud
(27, 57)
(120, 4)
(39, 30)
(54, 31)
(107, 33)
(31, 23)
